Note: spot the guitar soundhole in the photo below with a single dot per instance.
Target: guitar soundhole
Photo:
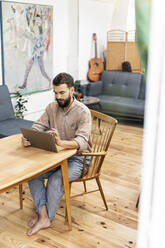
(96, 64)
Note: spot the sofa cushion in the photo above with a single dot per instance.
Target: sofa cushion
(124, 84)
(6, 108)
(122, 105)
(12, 126)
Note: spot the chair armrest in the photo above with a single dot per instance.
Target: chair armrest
(93, 153)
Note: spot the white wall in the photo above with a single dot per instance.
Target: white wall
(131, 21)
(94, 17)
(61, 32)
(123, 15)
(73, 33)
(119, 19)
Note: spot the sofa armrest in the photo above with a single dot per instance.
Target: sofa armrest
(6, 107)
(92, 89)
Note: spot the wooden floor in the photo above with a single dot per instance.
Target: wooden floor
(93, 226)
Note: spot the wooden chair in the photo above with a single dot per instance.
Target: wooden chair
(103, 127)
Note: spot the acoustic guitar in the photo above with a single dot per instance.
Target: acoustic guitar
(95, 65)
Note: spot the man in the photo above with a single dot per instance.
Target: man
(70, 122)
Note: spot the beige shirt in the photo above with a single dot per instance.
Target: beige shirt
(74, 124)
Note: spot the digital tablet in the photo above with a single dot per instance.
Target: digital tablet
(39, 139)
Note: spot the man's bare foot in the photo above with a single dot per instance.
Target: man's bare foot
(40, 224)
(33, 221)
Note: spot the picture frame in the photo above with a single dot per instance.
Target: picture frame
(26, 46)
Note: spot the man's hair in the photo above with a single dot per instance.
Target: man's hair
(63, 78)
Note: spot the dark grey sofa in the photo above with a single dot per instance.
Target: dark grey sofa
(9, 124)
(120, 93)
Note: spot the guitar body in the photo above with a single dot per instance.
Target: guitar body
(95, 69)
(95, 65)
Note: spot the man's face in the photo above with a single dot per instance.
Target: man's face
(63, 94)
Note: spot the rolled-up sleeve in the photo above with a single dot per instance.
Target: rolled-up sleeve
(82, 135)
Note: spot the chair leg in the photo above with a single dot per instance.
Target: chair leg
(20, 196)
(101, 192)
(85, 188)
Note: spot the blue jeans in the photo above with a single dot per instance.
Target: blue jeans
(51, 194)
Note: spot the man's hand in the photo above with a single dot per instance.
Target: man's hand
(25, 142)
(68, 144)
(55, 134)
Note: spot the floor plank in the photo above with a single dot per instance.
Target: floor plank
(93, 226)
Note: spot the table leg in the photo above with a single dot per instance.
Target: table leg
(64, 168)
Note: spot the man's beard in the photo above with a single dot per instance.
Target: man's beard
(64, 103)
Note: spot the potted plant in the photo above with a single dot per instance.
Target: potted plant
(20, 106)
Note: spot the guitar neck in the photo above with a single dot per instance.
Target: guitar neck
(95, 52)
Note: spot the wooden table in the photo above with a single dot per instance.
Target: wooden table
(18, 164)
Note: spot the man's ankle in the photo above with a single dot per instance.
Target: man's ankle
(43, 213)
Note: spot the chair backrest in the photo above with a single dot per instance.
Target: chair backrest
(6, 108)
(103, 127)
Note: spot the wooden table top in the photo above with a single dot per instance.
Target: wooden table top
(18, 163)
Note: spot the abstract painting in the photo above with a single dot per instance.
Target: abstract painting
(27, 46)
